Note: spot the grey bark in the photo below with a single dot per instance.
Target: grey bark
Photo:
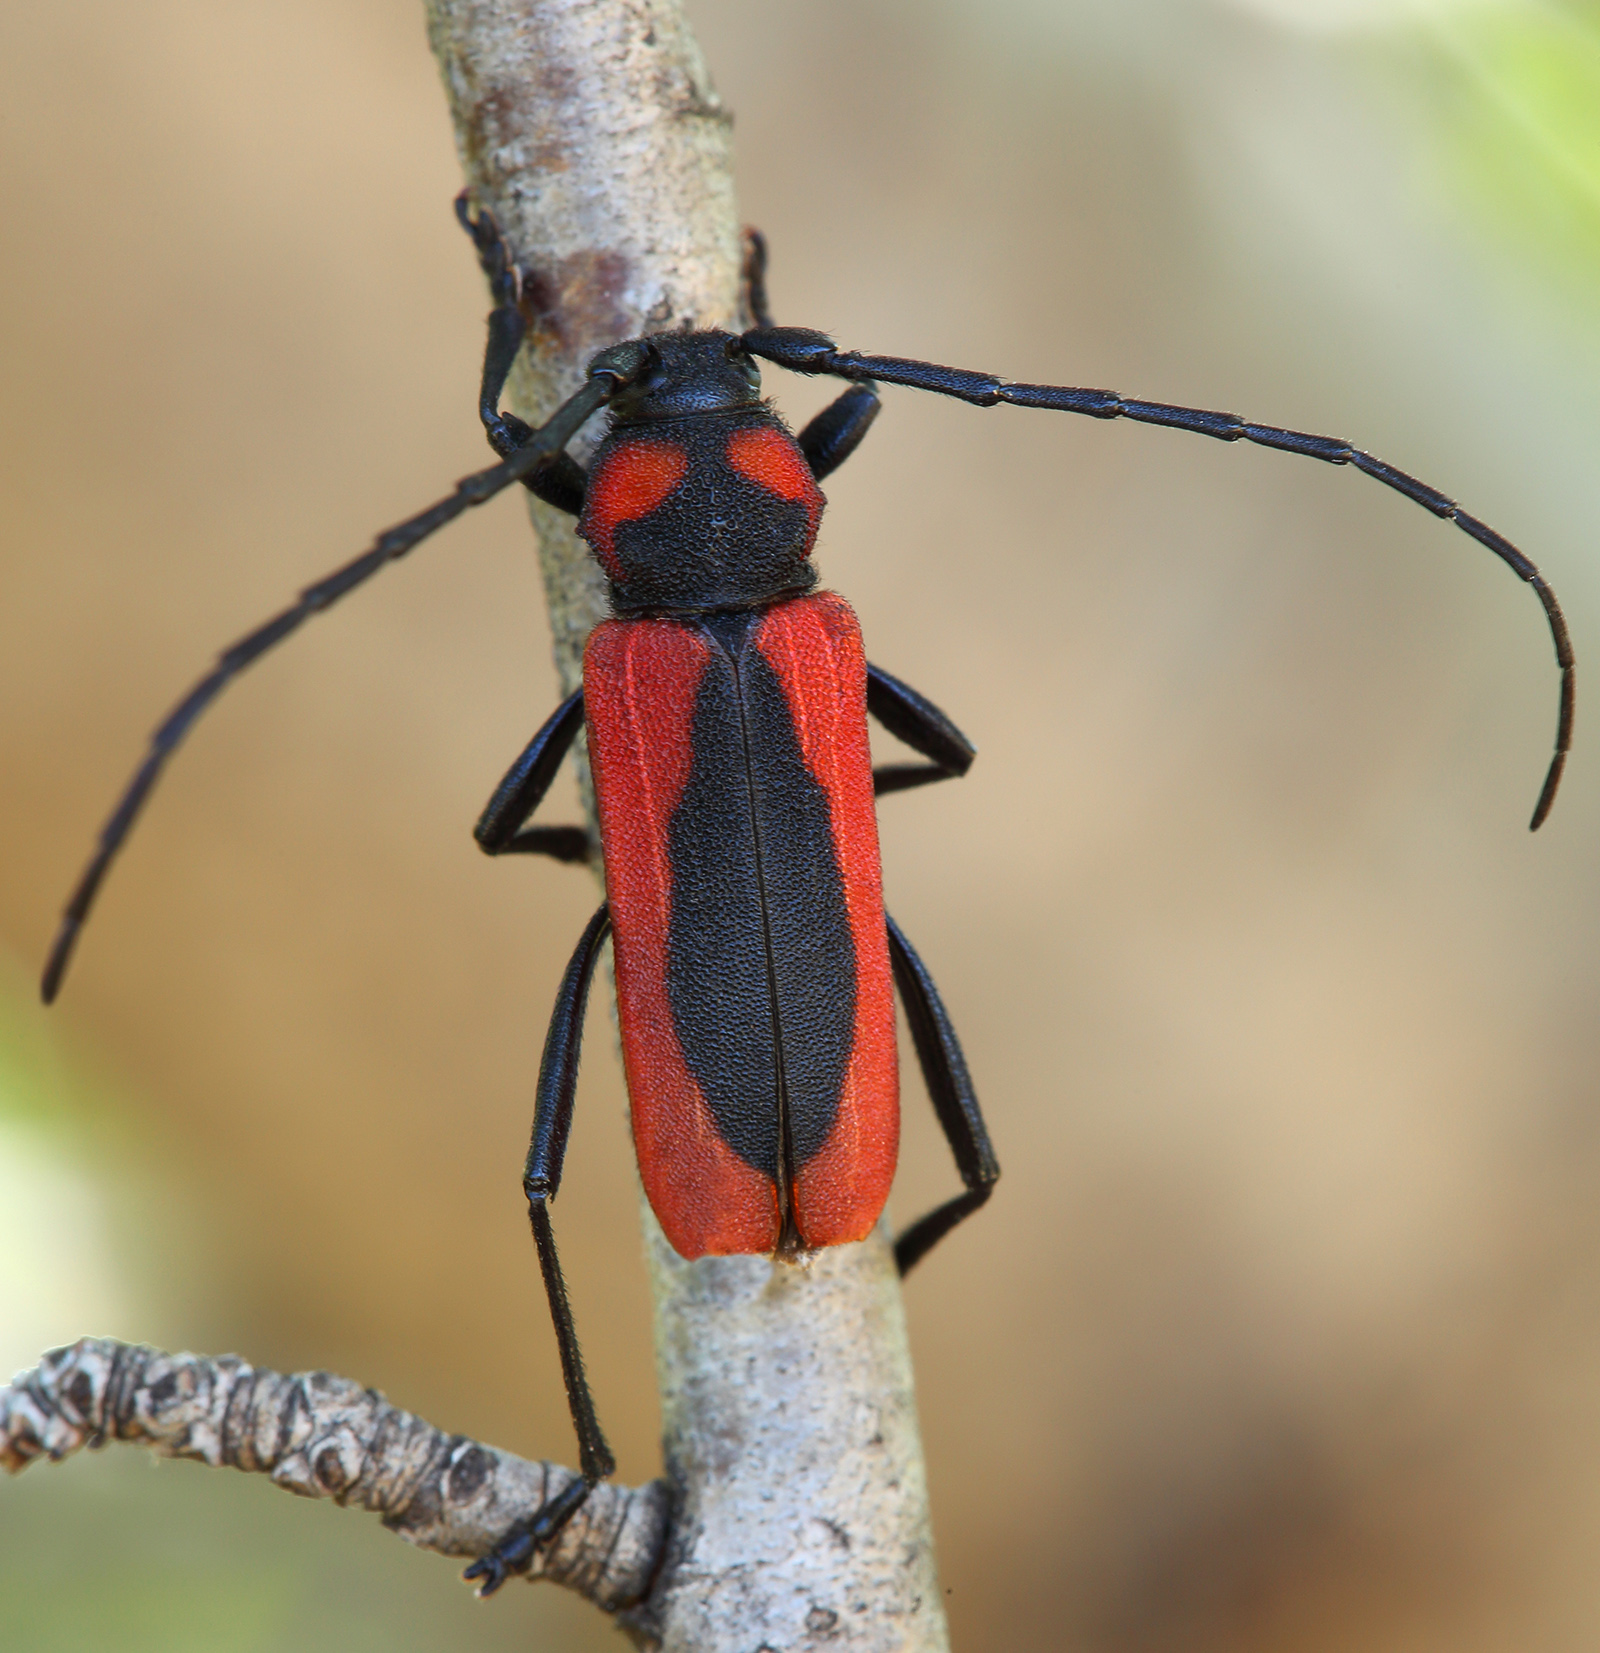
(593, 133)
(591, 130)
(325, 1437)
(794, 1511)
(790, 1435)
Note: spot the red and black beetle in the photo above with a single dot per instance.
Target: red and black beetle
(726, 705)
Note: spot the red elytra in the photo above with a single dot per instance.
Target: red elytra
(641, 683)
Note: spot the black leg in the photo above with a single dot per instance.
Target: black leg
(561, 481)
(754, 277)
(506, 326)
(923, 727)
(836, 432)
(830, 438)
(944, 1071)
(541, 1179)
(804, 351)
(622, 364)
(561, 843)
(500, 828)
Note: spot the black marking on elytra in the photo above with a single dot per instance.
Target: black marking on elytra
(813, 951)
(761, 967)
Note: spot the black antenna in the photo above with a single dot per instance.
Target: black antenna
(538, 449)
(803, 351)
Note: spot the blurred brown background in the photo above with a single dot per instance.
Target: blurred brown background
(1283, 1330)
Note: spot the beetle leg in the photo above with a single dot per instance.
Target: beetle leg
(753, 276)
(830, 438)
(500, 829)
(944, 1071)
(506, 326)
(559, 482)
(923, 727)
(835, 433)
(541, 1178)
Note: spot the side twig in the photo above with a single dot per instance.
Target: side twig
(325, 1437)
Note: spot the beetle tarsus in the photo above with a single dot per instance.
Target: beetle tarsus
(515, 1550)
(753, 276)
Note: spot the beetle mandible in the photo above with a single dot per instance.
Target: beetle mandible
(726, 705)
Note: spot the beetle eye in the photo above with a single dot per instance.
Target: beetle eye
(745, 362)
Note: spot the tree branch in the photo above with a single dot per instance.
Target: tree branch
(325, 1437)
(592, 132)
(797, 1513)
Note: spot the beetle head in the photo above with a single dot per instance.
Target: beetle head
(682, 373)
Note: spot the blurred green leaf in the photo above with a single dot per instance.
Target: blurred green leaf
(1511, 101)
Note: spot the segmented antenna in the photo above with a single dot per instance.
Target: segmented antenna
(803, 351)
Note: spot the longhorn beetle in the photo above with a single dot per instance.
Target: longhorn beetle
(726, 705)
